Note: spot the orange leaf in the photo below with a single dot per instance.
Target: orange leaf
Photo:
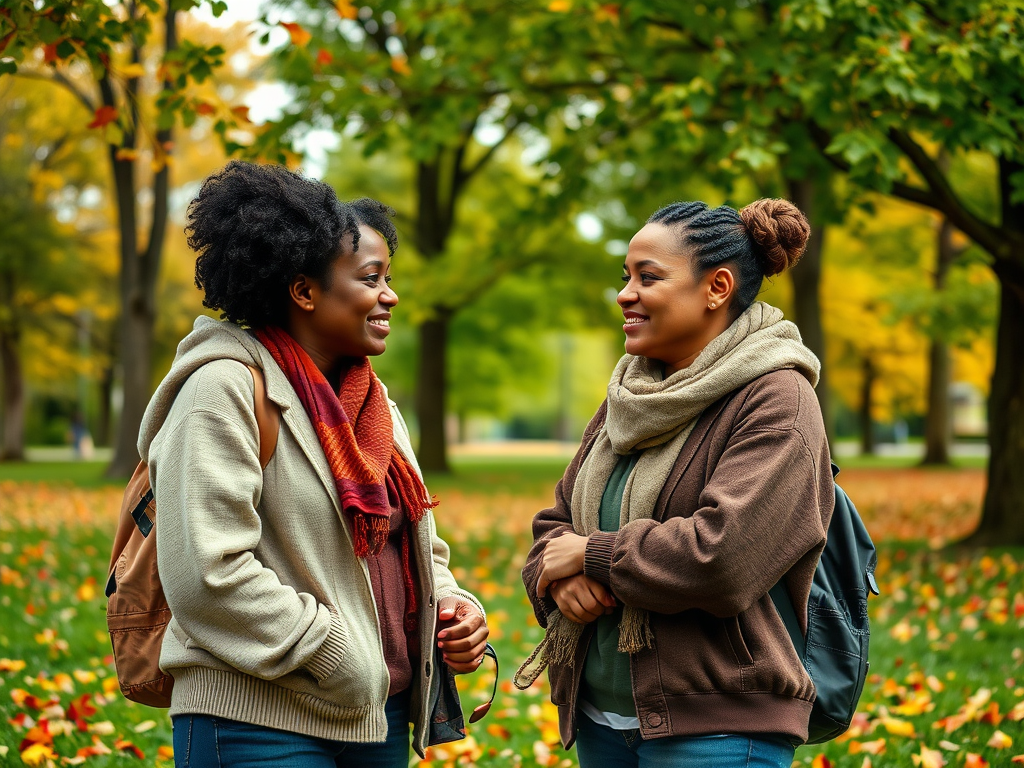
(127, 155)
(241, 112)
(202, 108)
(104, 116)
(499, 731)
(50, 53)
(345, 9)
(127, 746)
(323, 58)
(400, 65)
(820, 761)
(97, 748)
(164, 752)
(974, 760)
(300, 37)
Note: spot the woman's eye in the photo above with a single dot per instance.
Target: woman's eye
(645, 278)
(372, 278)
(387, 279)
(625, 278)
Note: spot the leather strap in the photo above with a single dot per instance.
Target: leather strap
(268, 417)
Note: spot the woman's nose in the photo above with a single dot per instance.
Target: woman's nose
(627, 295)
(388, 296)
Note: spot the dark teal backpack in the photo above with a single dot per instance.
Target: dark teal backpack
(835, 650)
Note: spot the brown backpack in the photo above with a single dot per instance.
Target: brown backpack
(137, 612)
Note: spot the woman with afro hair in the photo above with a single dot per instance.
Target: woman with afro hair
(703, 480)
(308, 593)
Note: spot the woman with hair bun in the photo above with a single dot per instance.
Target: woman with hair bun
(702, 481)
(307, 583)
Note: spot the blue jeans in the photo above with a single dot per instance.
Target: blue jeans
(203, 741)
(599, 746)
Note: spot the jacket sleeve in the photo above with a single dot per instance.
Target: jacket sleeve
(445, 584)
(555, 520)
(765, 506)
(206, 475)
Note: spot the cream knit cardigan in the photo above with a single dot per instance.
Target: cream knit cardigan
(274, 621)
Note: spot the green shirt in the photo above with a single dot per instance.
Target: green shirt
(606, 681)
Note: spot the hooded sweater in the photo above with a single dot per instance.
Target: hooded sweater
(274, 618)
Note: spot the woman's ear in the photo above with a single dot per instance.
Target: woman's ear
(721, 286)
(302, 291)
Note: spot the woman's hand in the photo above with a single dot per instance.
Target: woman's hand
(582, 599)
(463, 636)
(562, 557)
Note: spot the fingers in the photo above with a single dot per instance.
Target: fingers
(582, 599)
(463, 668)
(463, 643)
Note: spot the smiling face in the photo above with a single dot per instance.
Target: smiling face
(666, 308)
(347, 313)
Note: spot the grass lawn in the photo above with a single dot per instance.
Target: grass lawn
(946, 684)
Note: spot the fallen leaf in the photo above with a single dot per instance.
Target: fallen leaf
(1000, 740)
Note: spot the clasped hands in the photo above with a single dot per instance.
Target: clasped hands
(579, 597)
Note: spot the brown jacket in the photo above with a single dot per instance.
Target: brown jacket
(747, 504)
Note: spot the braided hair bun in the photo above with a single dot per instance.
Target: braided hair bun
(780, 231)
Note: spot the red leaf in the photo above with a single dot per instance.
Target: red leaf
(202, 108)
(323, 57)
(104, 116)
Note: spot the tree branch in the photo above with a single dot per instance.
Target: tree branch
(58, 78)
(987, 236)
(469, 173)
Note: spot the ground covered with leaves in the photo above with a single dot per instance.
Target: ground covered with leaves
(946, 685)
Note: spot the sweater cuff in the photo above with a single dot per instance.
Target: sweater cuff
(327, 657)
(597, 559)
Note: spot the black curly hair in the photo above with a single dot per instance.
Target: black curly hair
(255, 227)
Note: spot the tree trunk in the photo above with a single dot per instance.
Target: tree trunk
(938, 432)
(867, 428)
(135, 325)
(806, 278)
(106, 392)
(12, 446)
(431, 389)
(139, 272)
(1002, 521)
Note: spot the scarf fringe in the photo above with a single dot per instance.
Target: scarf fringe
(635, 630)
(558, 647)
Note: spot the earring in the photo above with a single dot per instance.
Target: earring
(712, 305)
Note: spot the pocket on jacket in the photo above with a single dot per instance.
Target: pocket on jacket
(738, 643)
(708, 656)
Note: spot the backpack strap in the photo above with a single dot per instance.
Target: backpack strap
(268, 417)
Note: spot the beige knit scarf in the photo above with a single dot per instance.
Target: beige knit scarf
(655, 415)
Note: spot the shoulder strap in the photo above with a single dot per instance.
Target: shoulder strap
(268, 417)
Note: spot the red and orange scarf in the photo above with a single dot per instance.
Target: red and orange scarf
(356, 433)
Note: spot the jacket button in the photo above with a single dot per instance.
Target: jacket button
(654, 719)
(426, 669)
(430, 601)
